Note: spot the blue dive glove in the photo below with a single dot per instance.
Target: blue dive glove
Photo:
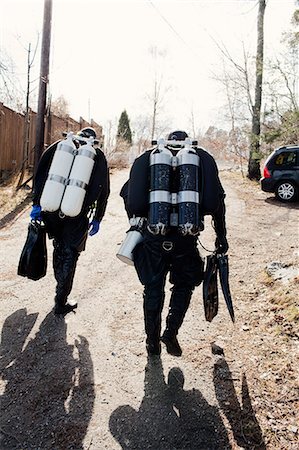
(36, 213)
(94, 227)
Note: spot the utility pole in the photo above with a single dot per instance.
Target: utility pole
(43, 83)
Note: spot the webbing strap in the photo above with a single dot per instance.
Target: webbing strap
(57, 178)
(77, 183)
(87, 153)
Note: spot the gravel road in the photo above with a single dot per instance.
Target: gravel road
(85, 382)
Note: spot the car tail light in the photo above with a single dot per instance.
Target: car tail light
(267, 174)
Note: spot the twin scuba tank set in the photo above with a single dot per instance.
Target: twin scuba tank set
(68, 176)
(174, 189)
(174, 197)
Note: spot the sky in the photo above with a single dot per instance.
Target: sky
(106, 54)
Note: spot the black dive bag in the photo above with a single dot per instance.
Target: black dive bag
(33, 259)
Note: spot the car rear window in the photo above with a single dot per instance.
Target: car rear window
(285, 159)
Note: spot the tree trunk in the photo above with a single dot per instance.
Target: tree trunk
(254, 171)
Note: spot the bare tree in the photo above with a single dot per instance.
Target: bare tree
(159, 92)
(281, 111)
(10, 91)
(142, 132)
(237, 143)
(60, 107)
(27, 121)
(254, 171)
(192, 123)
(236, 79)
(110, 134)
(239, 81)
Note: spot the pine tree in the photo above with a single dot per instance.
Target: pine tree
(124, 131)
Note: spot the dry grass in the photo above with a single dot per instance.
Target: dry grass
(11, 198)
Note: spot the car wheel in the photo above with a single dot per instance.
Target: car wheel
(285, 191)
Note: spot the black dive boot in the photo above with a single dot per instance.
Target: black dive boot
(64, 309)
(172, 345)
(179, 302)
(64, 264)
(153, 328)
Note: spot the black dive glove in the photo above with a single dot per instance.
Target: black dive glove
(221, 245)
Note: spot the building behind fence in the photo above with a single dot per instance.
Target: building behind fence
(17, 140)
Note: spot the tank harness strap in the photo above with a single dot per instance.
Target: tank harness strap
(188, 196)
(67, 149)
(57, 178)
(159, 196)
(87, 153)
(77, 183)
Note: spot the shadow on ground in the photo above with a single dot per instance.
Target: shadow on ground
(241, 417)
(169, 417)
(13, 215)
(273, 201)
(49, 394)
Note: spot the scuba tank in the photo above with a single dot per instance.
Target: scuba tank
(133, 237)
(78, 181)
(160, 197)
(58, 174)
(189, 221)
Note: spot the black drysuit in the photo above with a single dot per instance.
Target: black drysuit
(158, 255)
(70, 233)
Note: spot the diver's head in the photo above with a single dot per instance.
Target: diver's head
(176, 136)
(176, 378)
(87, 132)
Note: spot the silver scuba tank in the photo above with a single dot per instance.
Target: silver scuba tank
(160, 196)
(78, 180)
(59, 171)
(188, 200)
(133, 237)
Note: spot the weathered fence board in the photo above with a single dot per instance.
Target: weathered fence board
(13, 150)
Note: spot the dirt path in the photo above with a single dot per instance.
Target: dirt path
(86, 383)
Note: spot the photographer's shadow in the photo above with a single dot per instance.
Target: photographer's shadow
(244, 425)
(49, 393)
(169, 417)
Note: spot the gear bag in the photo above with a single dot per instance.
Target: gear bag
(33, 259)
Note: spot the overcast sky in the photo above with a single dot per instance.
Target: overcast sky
(100, 51)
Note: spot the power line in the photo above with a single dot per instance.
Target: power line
(170, 26)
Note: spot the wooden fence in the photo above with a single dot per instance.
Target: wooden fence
(16, 149)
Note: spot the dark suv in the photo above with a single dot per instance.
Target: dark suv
(281, 173)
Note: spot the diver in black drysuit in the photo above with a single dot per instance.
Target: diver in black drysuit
(178, 255)
(70, 233)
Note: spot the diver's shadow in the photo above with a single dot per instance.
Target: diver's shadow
(49, 393)
(244, 425)
(169, 417)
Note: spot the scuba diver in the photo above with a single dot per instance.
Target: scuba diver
(71, 186)
(170, 189)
